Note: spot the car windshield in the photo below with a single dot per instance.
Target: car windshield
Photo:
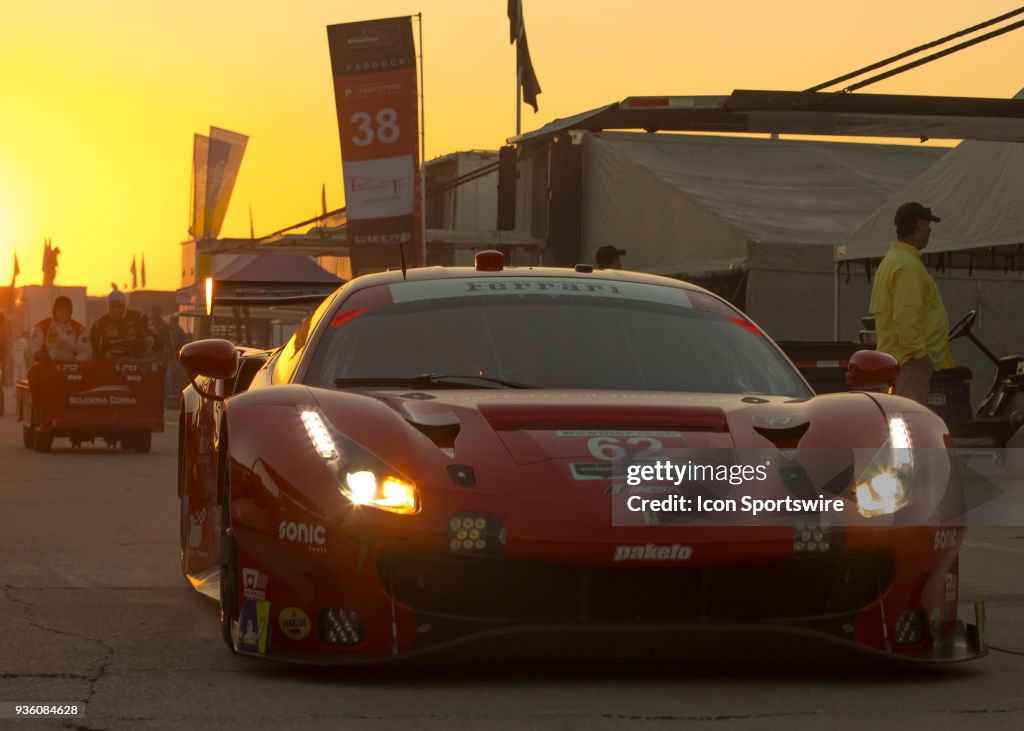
(656, 338)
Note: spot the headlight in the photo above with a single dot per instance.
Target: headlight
(363, 477)
(886, 484)
(389, 493)
(318, 434)
(883, 494)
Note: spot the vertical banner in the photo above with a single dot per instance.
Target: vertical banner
(224, 162)
(375, 91)
(216, 164)
(200, 151)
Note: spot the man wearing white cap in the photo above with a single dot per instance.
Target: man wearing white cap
(121, 333)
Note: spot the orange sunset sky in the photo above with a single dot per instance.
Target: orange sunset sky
(99, 100)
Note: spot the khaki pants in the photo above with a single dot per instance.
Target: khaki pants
(914, 379)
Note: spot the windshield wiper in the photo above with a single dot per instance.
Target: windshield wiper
(428, 379)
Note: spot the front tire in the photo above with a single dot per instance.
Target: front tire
(185, 523)
(40, 441)
(229, 609)
(140, 441)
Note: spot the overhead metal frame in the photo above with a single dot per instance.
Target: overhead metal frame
(805, 113)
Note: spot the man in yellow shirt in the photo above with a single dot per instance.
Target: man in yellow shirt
(910, 320)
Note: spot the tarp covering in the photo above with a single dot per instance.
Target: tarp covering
(273, 268)
(762, 216)
(696, 204)
(978, 191)
(262, 269)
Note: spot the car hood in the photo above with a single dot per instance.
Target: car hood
(578, 435)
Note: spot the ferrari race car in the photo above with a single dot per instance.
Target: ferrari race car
(488, 459)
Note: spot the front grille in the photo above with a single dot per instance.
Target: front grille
(516, 590)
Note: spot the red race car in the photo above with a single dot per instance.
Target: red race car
(507, 460)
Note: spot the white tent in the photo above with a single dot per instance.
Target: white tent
(767, 211)
(977, 190)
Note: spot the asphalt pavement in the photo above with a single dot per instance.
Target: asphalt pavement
(94, 610)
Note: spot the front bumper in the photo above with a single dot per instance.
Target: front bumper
(429, 606)
(657, 643)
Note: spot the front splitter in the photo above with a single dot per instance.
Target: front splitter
(567, 643)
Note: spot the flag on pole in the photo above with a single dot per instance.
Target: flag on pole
(143, 269)
(17, 269)
(252, 230)
(135, 279)
(524, 66)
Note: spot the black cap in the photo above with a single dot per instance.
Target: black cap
(607, 254)
(910, 213)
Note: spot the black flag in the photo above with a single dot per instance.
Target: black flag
(517, 32)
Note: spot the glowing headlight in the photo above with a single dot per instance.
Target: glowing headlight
(362, 486)
(391, 493)
(887, 482)
(319, 435)
(362, 477)
(899, 442)
(884, 494)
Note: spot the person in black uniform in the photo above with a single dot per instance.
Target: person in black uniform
(121, 333)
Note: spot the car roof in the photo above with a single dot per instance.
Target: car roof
(437, 273)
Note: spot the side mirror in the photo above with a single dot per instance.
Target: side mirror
(212, 358)
(870, 369)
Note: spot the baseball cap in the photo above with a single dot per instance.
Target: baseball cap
(910, 213)
(609, 252)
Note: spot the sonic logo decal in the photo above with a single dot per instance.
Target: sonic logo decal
(314, 536)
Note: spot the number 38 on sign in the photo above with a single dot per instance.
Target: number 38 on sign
(380, 112)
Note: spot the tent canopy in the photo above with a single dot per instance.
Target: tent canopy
(255, 268)
(279, 275)
(699, 204)
(978, 191)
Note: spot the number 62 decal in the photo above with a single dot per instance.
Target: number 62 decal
(610, 448)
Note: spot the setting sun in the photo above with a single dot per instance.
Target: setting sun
(100, 101)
